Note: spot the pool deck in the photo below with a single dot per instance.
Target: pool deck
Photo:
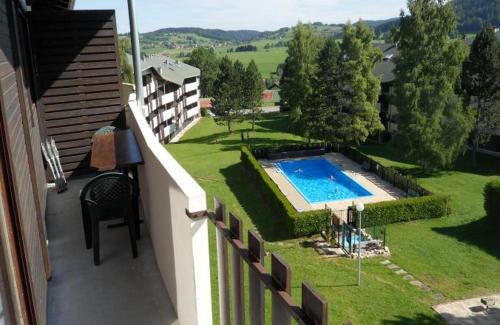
(381, 190)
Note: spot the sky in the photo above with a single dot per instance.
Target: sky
(248, 14)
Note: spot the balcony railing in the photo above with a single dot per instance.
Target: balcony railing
(314, 308)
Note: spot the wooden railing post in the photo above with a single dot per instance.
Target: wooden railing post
(222, 264)
(314, 306)
(236, 229)
(281, 276)
(256, 253)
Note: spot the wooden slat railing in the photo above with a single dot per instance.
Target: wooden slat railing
(314, 308)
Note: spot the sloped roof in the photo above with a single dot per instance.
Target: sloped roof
(170, 69)
(384, 69)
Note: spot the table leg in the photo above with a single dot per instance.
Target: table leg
(135, 206)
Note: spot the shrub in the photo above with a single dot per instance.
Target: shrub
(492, 200)
(298, 223)
(203, 111)
(423, 207)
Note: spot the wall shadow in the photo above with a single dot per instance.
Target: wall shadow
(268, 224)
(481, 233)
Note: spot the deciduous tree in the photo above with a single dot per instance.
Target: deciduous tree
(127, 72)
(206, 60)
(298, 70)
(252, 91)
(481, 86)
(226, 101)
(433, 125)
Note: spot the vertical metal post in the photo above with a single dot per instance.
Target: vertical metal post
(136, 54)
(359, 248)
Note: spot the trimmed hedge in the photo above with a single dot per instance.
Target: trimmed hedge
(298, 223)
(492, 200)
(408, 209)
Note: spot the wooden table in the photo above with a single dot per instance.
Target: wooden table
(118, 150)
(115, 151)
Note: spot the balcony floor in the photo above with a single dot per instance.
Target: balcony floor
(122, 290)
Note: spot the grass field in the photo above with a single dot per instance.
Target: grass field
(449, 254)
(267, 60)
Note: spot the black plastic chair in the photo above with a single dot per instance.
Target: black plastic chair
(106, 197)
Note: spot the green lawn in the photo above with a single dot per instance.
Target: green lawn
(457, 255)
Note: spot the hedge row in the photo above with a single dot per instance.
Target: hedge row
(299, 223)
(492, 200)
(408, 209)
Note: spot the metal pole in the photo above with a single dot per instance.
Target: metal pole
(359, 248)
(136, 54)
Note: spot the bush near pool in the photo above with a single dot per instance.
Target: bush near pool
(298, 223)
(408, 209)
(492, 200)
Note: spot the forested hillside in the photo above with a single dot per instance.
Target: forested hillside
(473, 14)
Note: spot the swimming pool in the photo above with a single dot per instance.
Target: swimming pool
(318, 180)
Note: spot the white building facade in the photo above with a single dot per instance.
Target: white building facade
(171, 95)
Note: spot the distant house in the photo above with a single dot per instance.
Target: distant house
(171, 95)
(384, 70)
(388, 112)
(206, 103)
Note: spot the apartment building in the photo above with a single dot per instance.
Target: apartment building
(171, 95)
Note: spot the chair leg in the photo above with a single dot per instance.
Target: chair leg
(86, 227)
(95, 241)
(132, 233)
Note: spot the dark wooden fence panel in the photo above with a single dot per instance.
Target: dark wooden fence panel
(314, 308)
(79, 84)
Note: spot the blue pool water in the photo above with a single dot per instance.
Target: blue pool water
(319, 180)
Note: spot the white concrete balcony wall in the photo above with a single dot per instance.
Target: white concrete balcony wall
(193, 111)
(166, 115)
(191, 99)
(191, 86)
(167, 98)
(180, 243)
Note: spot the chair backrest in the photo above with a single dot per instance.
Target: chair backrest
(109, 190)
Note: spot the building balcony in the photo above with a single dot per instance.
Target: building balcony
(169, 283)
(192, 86)
(191, 99)
(168, 98)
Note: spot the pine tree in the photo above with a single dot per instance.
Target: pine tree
(252, 90)
(432, 124)
(342, 109)
(298, 71)
(481, 86)
(206, 60)
(359, 87)
(227, 100)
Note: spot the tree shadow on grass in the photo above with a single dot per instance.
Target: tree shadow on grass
(487, 165)
(270, 226)
(207, 139)
(235, 144)
(481, 233)
(419, 319)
